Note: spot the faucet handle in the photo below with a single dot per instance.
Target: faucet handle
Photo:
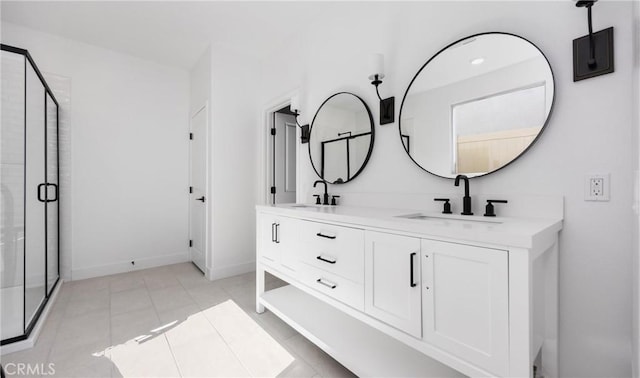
(333, 200)
(489, 210)
(447, 206)
(317, 199)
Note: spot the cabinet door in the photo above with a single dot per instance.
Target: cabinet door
(268, 239)
(278, 237)
(465, 304)
(392, 280)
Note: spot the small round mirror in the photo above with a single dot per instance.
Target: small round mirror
(341, 138)
(477, 105)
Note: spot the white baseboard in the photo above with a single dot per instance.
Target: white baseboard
(231, 270)
(35, 332)
(125, 266)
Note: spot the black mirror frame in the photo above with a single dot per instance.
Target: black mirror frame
(373, 134)
(546, 122)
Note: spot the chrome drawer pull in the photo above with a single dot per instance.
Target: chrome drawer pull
(320, 234)
(328, 284)
(326, 260)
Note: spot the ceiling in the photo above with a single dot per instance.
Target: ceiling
(174, 32)
(497, 51)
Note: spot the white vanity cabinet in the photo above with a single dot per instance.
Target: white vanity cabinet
(392, 280)
(436, 296)
(465, 302)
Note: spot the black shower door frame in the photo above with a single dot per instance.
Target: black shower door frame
(28, 328)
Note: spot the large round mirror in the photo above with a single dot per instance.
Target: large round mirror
(476, 105)
(341, 138)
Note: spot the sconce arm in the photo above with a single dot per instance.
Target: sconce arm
(592, 50)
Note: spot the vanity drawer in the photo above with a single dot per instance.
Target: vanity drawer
(335, 249)
(334, 286)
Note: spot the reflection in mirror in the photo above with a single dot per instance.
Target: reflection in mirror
(476, 105)
(341, 138)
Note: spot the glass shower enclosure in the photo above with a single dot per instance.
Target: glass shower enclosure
(29, 206)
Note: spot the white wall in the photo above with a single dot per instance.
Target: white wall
(590, 131)
(234, 170)
(200, 83)
(226, 81)
(129, 123)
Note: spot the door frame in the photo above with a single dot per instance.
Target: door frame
(207, 237)
(264, 158)
(287, 125)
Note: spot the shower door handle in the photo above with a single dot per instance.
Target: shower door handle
(200, 199)
(46, 192)
(55, 190)
(40, 186)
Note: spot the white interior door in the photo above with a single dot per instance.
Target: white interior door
(284, 164)
(197, 197)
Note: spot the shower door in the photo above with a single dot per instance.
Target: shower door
(35, 210)
(12, 205)
(29, 239)
(51, 201)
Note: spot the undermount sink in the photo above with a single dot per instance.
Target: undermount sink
(304, 206)
(420, 216)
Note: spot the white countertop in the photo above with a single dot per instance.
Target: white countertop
(504, 231)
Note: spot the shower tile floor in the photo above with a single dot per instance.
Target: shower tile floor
(11, 321)
(169, 322)
(11, 298)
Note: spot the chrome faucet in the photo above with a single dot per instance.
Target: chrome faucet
(466, 200)
(325, 198)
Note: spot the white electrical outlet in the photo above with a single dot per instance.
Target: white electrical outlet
(596, 187)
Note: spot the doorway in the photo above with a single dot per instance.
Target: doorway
(282, 146)
(198, 188)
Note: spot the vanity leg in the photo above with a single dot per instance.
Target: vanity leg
(259, 288)
(550, 346)
(520, 315)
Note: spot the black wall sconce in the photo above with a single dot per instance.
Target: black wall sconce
(593, 53)
(387, 106)
(295, 107)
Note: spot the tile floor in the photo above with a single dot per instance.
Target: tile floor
(170, 322)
